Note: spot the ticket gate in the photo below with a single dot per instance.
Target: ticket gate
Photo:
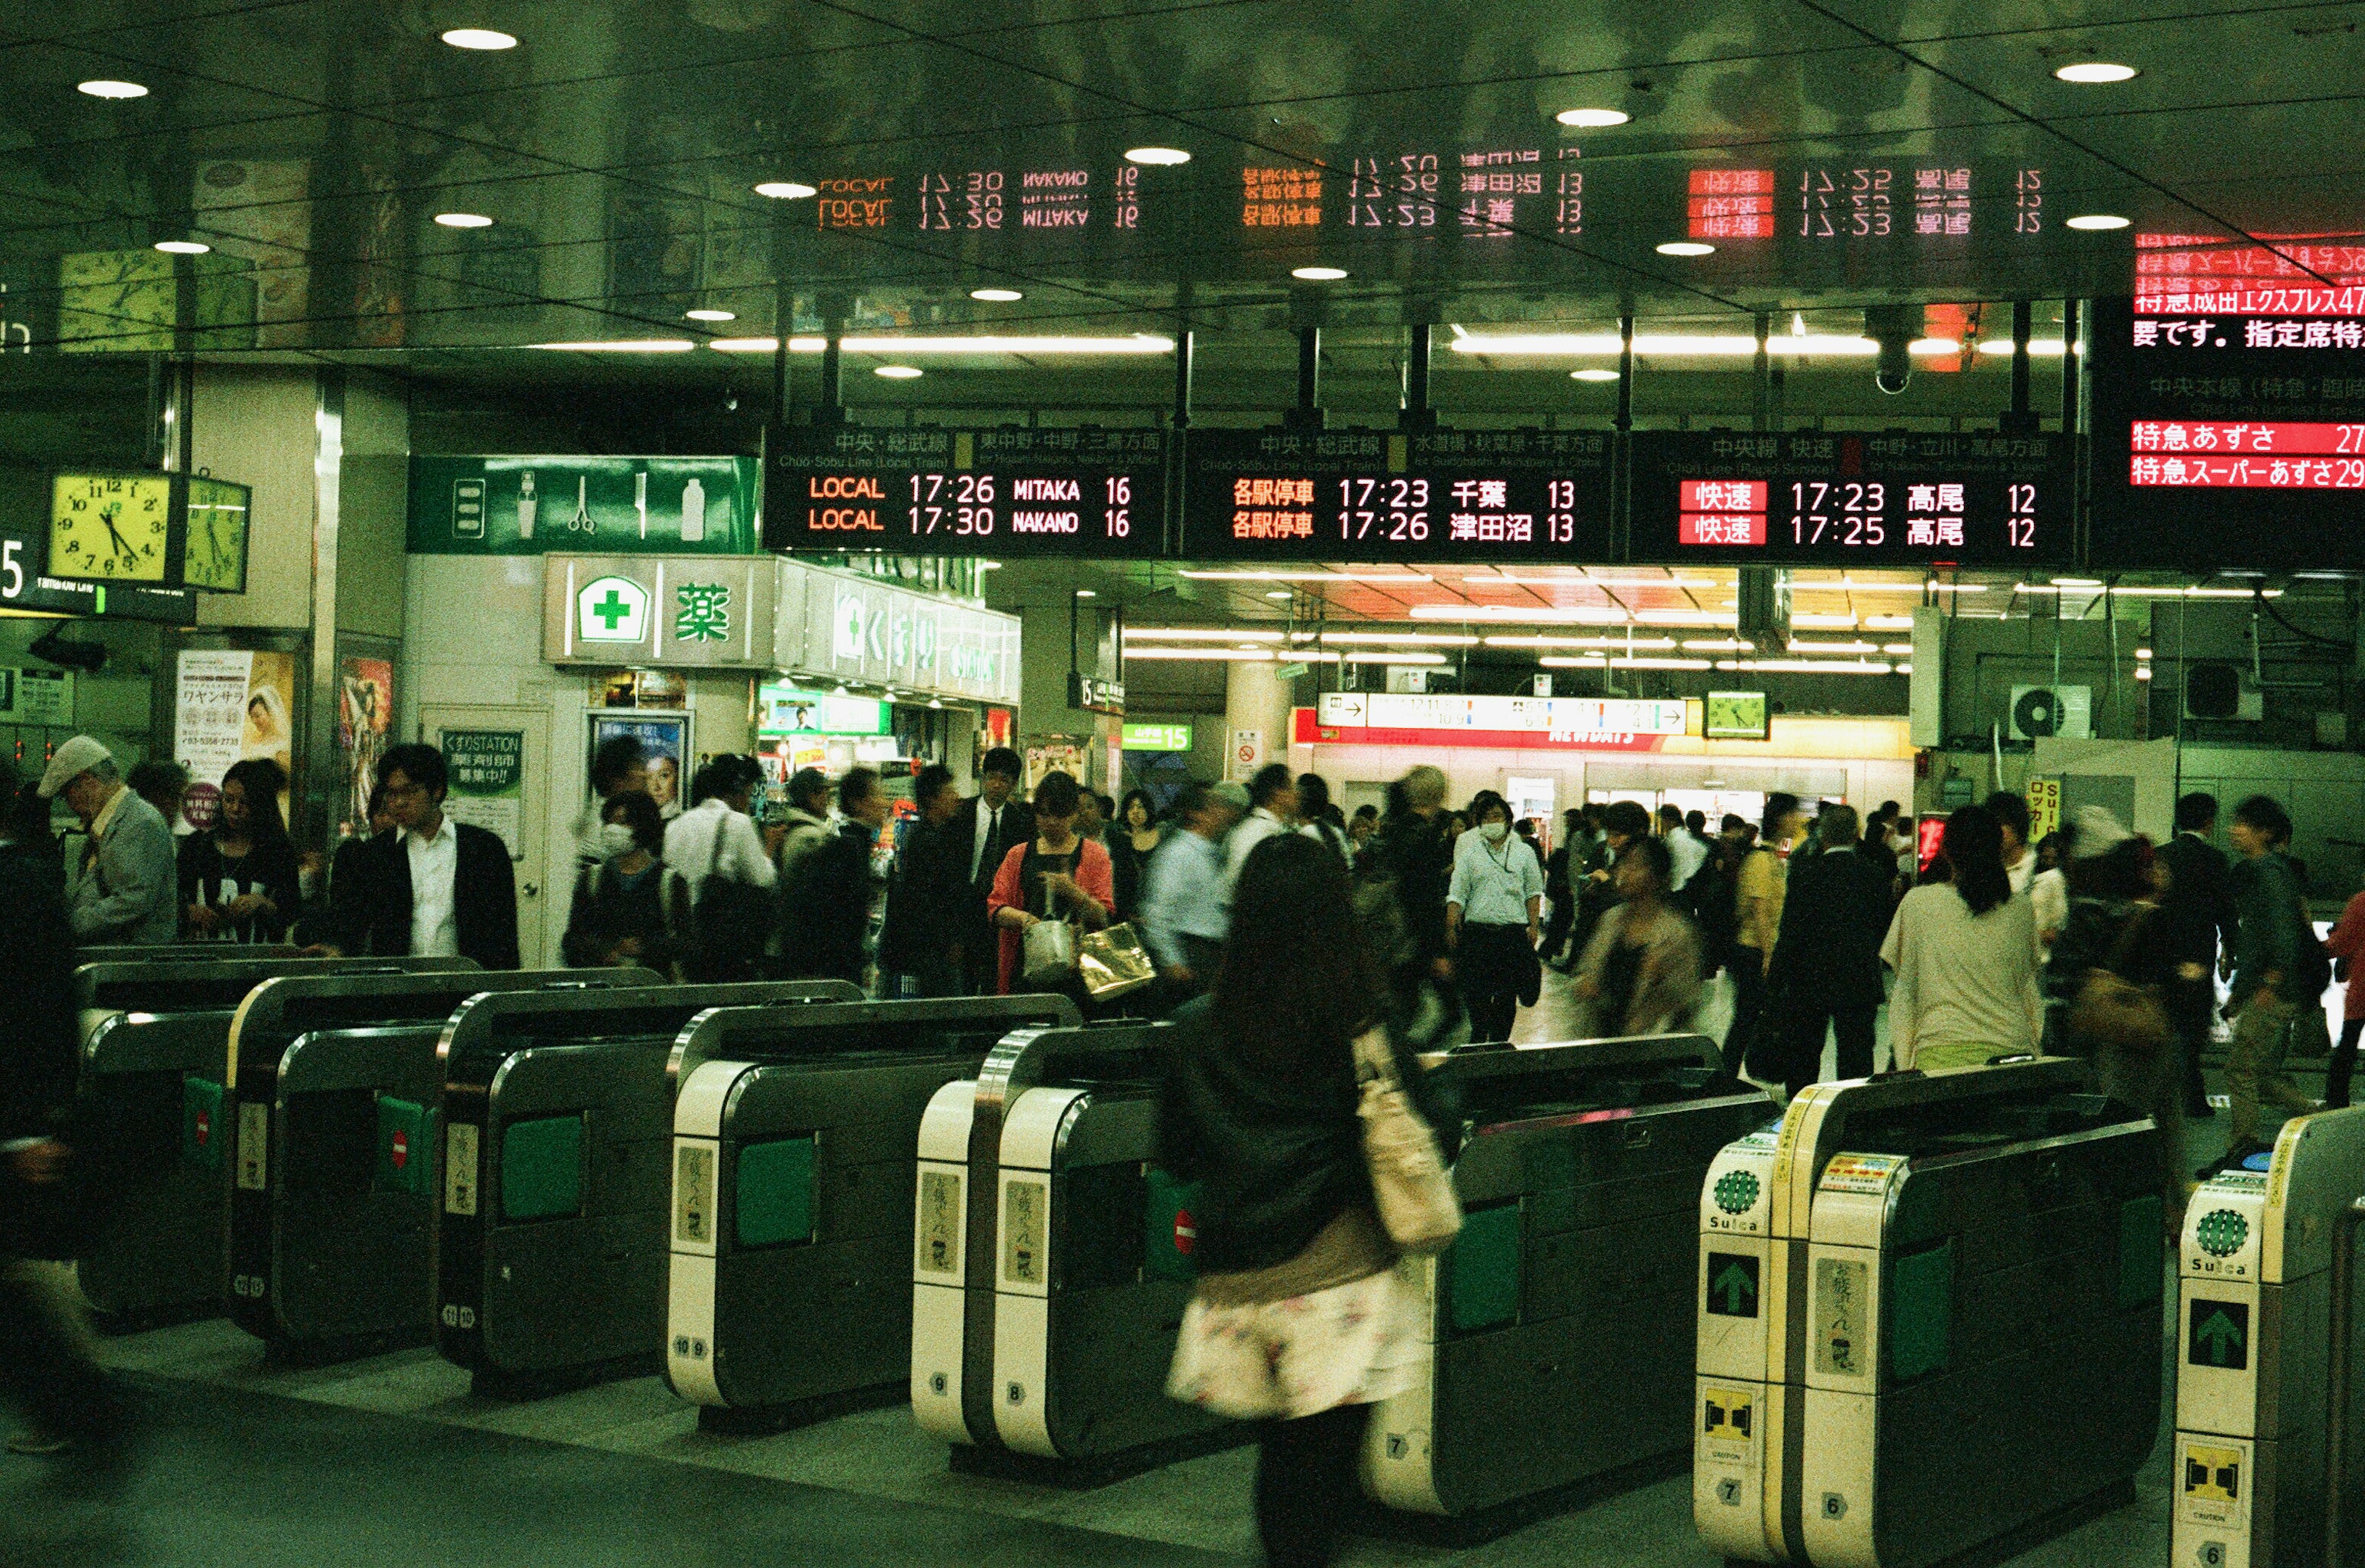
(549, 1242)
(1044, 1317)
(793, 1186)
(1579, 1171)
(1930, 1317)
(2256, 1356)
(179, 952)
(333, 1080)
(153, 1036)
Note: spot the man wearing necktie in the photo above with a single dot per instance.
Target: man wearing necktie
(988, 826)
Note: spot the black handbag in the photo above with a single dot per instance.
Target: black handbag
(731, 917)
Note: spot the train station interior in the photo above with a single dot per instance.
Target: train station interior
(1703, 406)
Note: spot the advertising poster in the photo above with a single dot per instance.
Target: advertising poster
(365, 713)
(1057, 756)
(487, 770)
(231, 704)
(664, 741)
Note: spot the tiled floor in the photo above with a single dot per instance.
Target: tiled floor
(393, 1460)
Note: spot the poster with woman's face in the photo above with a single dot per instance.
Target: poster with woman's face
(665, 742)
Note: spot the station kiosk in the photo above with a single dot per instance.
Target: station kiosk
(153, 1032)
(332, 1081)
(1930, 1317)
(794, 1184)
(2260, 1296)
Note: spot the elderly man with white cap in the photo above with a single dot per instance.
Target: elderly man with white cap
(130, 888)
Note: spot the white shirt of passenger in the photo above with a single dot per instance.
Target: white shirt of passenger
(435, 865)
(1493, 883)
(690, 847)
(1688, 854)
(1255, 828)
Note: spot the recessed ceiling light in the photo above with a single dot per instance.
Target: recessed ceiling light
(1685, 248)
(463, 220)
(2095, 70)
(105, 89)
(1318, 274)
(2096, 220)
(996, 296)
(898, 372)
(477, 38)
(1156, 155)
(1593, 374)
(1593, 119)
(784, 190)
(182, 247)
(709, 315)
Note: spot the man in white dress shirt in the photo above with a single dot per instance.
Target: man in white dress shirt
(1272, 805)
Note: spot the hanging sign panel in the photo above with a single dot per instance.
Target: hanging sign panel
(1086, 492)
(1478, 498)
(1835, 499)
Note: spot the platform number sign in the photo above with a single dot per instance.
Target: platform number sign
(1732, 1284)
(2217, 1334)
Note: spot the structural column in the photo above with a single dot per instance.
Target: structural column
(1256, 718)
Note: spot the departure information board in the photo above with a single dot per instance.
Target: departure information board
(1826, 498)
(2229, 412)
(1088, 492)
(1445, 497)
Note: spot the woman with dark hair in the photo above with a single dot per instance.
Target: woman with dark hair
(1056, 875)
(240, 883)
(1132, 841)
(1493, 918)
(1965, 952)
(1320, 817)
(631, 909)
(1640, 973)
(1301, 1315)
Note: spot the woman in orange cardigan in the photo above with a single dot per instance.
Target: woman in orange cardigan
(1058, 873)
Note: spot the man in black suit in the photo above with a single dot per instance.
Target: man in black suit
(2196, 911)
(1826, 967)
(433, 887)
(988, 826)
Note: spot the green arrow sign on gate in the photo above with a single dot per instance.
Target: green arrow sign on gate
(1732, 1284)
(2219, 1334)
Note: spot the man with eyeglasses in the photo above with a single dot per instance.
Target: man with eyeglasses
(433, 888)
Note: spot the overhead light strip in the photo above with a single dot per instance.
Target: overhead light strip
(982, 342)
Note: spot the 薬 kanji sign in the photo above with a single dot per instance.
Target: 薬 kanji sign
(658, 611)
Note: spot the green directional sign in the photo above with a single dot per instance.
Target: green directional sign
(1732, 1284)
(2219, 1334)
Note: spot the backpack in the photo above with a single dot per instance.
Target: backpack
(731, 917)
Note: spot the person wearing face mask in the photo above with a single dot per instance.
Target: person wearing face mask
(630, 910)
(1492, 910)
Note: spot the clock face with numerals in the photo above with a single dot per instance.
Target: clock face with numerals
(214, 555)
(110, 527)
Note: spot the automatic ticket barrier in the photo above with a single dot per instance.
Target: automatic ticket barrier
(1051, 1264)
(1579, 1171)
(793, 1187)
(333, 1083)
(549, 1239)
(153, 1035)
(1930, 1317)
(2259, 1280)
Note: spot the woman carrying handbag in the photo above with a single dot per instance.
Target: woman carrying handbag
(1317, 1172)
(1067, 876)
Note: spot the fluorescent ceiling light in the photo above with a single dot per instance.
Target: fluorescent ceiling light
(2077, 582)
(1088, 593)
(625, 345)
(786, 190)
(1807, 666)
(1593, 373)
(1655, 663)
(981, 342)
(1318, 274)
(1279, 593)
(1429, 639)
(1796, 647)
(2093, 72)
(1889, 622)
(2143, 672)
(996, 296)
(1933, 346)
(1214, 655)
(1593, 661)
(1721, 645)
(1593, 119)
(463, 220)
(1392, 656)
(106, 89)
(1197, 633)
(1581, 643)
(182, 247)
(1582, 615)
(2096, 220)
(1814, 622)
(477, 38)
(1231, 577)
(1685, 248)
(710, 316)
(2038, 348)
(898, 372)
(1896, 648)
(1157, 155)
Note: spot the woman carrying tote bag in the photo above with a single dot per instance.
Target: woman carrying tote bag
(1281, 1102)
(1059, 872)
